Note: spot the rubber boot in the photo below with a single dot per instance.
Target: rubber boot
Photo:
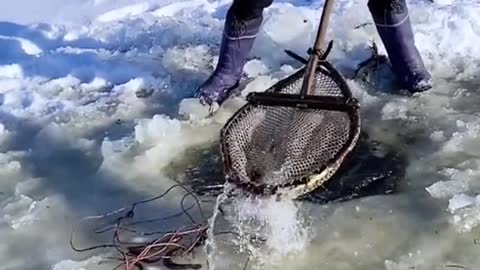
(237, 42)
(393, 25)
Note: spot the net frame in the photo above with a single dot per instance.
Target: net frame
(315, 178)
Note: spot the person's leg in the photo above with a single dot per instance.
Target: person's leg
(393, 25)
(242, 24)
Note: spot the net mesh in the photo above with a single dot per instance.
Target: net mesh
(276, 145)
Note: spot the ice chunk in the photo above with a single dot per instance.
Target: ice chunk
(260, 84)
(437, 136)
(97, 84)
(177, 7)
(290, 28)
(91, 263)
(158, 129)
(194, 58)
(394, 110)
(26, 211)
(193, 109)
(287, 69)
(120, 13)
(466, 219)
(4, 134)
(446, 189)
(255, 68)
(21, 204)
(29, 47)
(460, 201)
(13, 71)
(444, 2)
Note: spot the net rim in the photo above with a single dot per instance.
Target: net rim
(327, 69)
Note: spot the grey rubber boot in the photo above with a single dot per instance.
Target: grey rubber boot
(238, 38)
(393, 25)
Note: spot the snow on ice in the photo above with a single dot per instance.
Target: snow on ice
(94, 107)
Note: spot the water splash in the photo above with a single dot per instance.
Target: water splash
(268, 231)
(210, 245)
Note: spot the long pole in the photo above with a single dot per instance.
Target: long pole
(313, 60)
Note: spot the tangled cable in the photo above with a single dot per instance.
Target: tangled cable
(164, 246)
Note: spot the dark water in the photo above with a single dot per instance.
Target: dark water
(371, 169)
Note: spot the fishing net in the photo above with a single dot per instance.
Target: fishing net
(267, 149)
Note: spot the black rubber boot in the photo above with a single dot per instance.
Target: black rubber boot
(238, 38)
(393, 25)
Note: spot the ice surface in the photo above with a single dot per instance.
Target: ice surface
(259, 84)
(460, 201)
(124, 12)
(193, 109)
(255, 68)
(78, 265)
(93, 103)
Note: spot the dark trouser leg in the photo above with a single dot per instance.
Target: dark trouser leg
(242, 24)
(393, 25)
